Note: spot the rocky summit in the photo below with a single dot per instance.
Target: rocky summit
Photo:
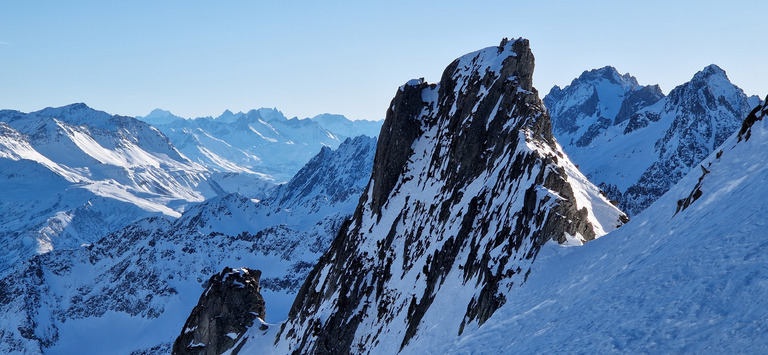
(467, 185)
(229, 306)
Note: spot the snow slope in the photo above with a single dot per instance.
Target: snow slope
(133, 289)
(666, 282)
(261, 142)
(634, 142)
(467, 184)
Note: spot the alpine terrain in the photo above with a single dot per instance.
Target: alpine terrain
(468, 184)
(634, 142)
(262, 143)
(132, 290)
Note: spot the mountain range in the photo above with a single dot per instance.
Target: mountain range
(72, 174)
(472, 225)
(130, 291)
(262, 143)
(635, 142)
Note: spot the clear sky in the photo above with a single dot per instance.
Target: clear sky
(198, 58)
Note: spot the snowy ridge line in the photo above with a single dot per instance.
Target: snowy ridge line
(701, 263)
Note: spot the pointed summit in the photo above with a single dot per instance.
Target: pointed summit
(709, 71)
(467, 185)
(707, 86)
(593, 102)
(159, 117)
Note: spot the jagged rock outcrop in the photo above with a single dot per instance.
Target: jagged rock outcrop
(228, 307)
(467, 185)
(757, 114)
(636, 143)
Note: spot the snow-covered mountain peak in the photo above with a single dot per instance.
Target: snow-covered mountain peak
(467, 184)
(267, 114)
(710, 85)
(67, 110)
(594, 102)
(510, 60)
(652, 140)
(666, 282)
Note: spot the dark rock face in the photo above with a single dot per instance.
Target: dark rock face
(228, 307)
(467, 185)
(396, 137)
(757, 114)
(637, 99)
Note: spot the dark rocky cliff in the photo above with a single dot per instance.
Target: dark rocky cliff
(228, 307)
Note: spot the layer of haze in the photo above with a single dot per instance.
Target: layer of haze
(197, 58)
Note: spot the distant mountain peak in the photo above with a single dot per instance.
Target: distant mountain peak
(679, 129)
(159, 116)
(158, 112)
(712, 79)
(76, 106)
(607, 73)
(710, 71)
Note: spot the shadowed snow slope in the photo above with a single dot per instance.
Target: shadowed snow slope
(467, 185)
(687, 282)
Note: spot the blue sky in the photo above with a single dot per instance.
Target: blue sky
(198, 58)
